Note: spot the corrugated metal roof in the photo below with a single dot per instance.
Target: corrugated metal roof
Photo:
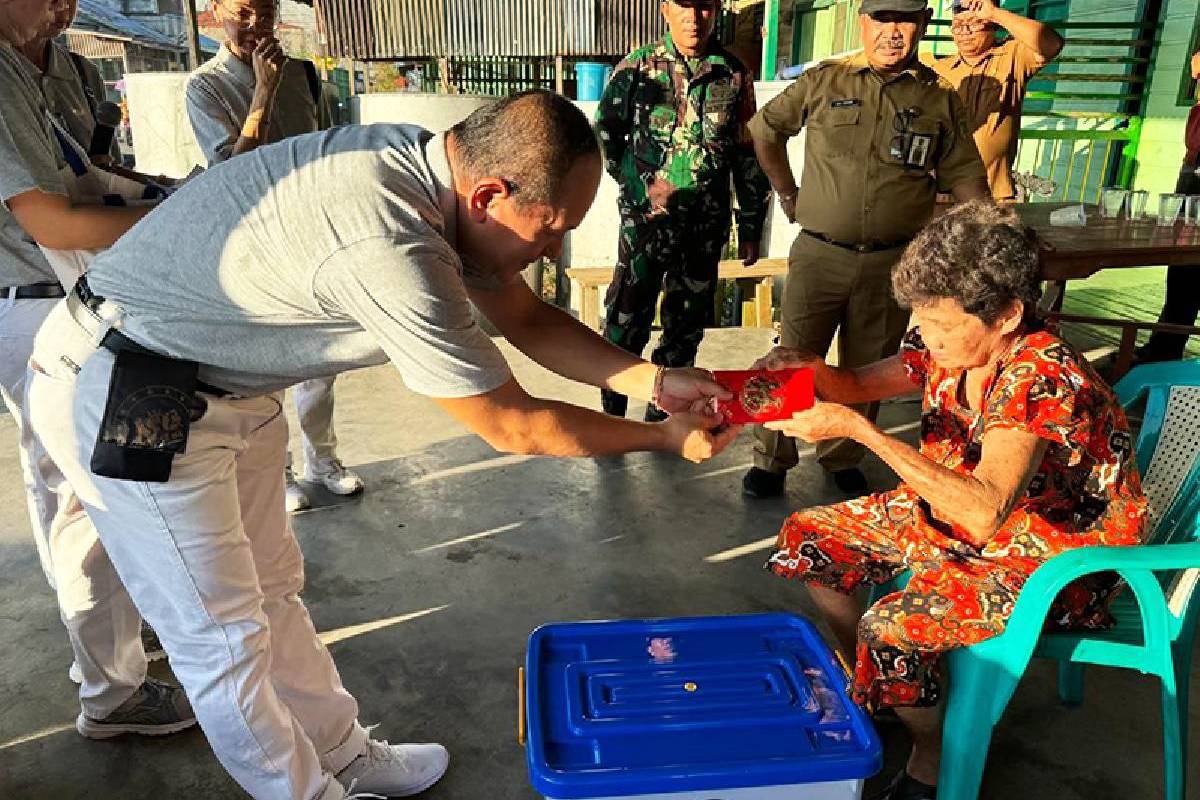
(398, 29)
(95, 17)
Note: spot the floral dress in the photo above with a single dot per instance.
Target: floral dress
(1085, 492)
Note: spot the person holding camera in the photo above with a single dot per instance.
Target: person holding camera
(885, 133)
(991, 78)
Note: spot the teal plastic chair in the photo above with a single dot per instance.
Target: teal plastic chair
(1156, 615)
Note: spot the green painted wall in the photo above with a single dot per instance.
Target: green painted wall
(1161, 150)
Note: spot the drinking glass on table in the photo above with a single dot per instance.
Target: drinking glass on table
(1137, 204)
(1112, 201)
(1169, 206)
(1191, 210)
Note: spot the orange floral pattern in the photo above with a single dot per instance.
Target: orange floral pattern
(1086, 491)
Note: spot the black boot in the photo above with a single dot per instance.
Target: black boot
(761, 484)
(654, 413)
(851, 481)
(613, 403)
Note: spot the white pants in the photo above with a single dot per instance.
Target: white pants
(101, 621)
(211, 560)
(314, 408)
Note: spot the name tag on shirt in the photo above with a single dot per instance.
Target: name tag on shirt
(848, 102)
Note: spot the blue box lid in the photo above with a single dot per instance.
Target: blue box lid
(644, 706)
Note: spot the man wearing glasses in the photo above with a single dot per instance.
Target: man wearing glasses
(248, 95)
(884, 134)
(991, 79)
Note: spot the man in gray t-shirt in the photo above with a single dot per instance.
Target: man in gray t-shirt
(302, 259)
(250, 94)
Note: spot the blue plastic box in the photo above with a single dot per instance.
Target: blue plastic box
(748, 706)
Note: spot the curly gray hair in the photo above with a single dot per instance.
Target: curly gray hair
(979, 254)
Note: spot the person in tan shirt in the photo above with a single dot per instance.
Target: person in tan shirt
(884, 134)
(991, 78)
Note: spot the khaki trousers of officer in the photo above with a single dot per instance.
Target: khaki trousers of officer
(832, 290)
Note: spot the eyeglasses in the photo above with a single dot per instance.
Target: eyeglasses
(249, 19)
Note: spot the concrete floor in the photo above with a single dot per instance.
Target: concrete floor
(428, 633)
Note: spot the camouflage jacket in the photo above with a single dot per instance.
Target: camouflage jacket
(674, 130)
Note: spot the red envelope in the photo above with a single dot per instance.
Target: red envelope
(762, 395)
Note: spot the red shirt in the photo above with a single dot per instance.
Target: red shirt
(1086, 490)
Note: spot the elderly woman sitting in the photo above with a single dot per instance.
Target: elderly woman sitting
(1024, 454)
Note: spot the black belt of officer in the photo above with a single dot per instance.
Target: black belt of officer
(35, 291)
(862, 247)
(116, 342)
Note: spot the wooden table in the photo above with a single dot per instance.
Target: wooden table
(1075, 253)
(1069, 254)
(590, 279)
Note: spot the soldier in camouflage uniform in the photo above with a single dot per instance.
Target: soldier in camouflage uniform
(673, 124)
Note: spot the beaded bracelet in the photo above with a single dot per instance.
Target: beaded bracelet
(656, 394)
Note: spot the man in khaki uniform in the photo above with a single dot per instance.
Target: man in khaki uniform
(991, 79)
(885, 133)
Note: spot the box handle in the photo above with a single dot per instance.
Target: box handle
(521, 706)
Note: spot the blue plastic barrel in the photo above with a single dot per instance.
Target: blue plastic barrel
(590, 79)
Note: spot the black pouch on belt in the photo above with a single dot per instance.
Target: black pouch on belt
(151, 404)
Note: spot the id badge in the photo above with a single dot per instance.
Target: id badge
(919, 147)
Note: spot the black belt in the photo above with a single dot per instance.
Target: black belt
(34, 291)
(862, 247)
(116, 342)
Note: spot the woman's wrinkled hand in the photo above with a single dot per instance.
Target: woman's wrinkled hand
(821, 422)
(788, 358)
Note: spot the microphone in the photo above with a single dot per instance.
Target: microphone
(108, 117)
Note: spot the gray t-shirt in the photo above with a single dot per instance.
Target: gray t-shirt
(218, 97)
(67, 93)
(30, 158)
(306, 258)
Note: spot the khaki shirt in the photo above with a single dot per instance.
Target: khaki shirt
(993, 91)
(857, 187)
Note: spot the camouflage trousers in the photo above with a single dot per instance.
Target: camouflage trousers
(677, 255)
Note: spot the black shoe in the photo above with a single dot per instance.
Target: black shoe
(906, 787)
(761, 483)
(613, 404)
(654, 413)
(151, 644)
(851, 481)
(1148, 354)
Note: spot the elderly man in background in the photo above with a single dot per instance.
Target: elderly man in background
(252, 94)
(884, 134)
(991, 78)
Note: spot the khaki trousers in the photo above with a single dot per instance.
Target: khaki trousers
(832, 290)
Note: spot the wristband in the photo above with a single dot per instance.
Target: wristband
(656, 393)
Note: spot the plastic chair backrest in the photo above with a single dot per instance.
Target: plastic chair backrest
(1168, 454)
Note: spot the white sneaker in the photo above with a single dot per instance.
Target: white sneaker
(294, 498)
(395, 770)
(75, 673)
(334, 477)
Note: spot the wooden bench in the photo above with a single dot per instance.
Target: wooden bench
(591, 279)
